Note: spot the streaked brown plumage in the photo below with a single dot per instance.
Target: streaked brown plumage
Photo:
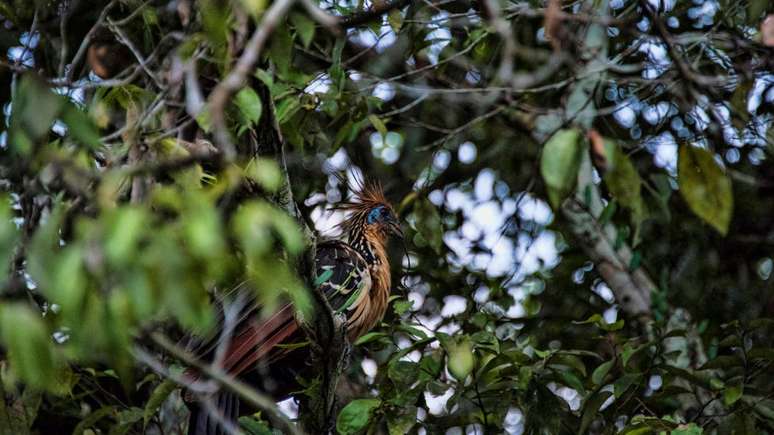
(357, 282)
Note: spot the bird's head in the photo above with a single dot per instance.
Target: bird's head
(382, 218)
(370, 208)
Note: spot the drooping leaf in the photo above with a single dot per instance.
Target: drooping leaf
(9, 235)
(598, 375)
(460, 357)
(29, 344)
(157, 397)
(428, 222)
(623, 181)
(80, 126)
(305, 28)
(732, 394)
(354, 418)
(705, 187)
(249, 104)
(559, 163)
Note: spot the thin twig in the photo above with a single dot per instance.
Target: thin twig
(255, 398)
(124, 39)
(325, 19)
(364, 17)
(236, 79)
(134, 14)
(87, 41)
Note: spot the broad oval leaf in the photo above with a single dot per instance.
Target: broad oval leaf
(355, 417)
(598, 375)
(559, 164)
(29, 345)
(249, 104)
(705, 187)
(461, 358)
(623, 180)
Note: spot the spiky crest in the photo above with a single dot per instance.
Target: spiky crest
(368, 194)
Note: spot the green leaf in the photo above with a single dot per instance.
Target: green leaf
(723, 362)
(401, 307)
(572, 381)
(623, 181)
(266, 173)
(281, 50)
(35, 108)
(428, 223)
(400, 424)
(624, 382)
(598, 320)
(369, 337)
(559, 163)
(732, 394)
(254, 425)
(687, 429)
(591, 407)
(395, 19)
(254, 7)
(249, 104)
(93, 418)
(29, 344)
(378, 124)
(286, 108)
(157, 397)
(304, 28)
(9, 234)
(354, 418)
(460, 357)
(125, 227)
(705, 187)
(403, 373)
(80, 126)
(598, 375)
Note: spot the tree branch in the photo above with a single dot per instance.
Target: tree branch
(237, 387)
(632, 288)
(236, 79)
(364, 17)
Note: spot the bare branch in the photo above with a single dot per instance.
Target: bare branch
(250, 395)
(87, 41)
(236, 79)
(327, 20)
(364, 17)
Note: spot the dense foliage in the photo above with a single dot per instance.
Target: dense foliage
(586, 189)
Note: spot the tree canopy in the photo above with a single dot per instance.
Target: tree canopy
(585, 188)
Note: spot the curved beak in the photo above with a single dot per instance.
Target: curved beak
(394, 228)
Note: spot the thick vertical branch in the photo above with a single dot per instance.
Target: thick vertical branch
(631, 287)
(327, 332)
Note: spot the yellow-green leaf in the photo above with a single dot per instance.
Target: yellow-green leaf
(305, 28)
(732, 394)
(461, 358)
(623, 181)
(378, 124)
(705, 187)
(559, 164)
(355, 417)
(29, 345)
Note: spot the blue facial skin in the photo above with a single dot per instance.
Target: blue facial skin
(376, 215)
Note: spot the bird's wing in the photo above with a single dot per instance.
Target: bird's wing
(342, 272)
(343, 275)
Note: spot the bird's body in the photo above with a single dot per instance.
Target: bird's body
(354, 276)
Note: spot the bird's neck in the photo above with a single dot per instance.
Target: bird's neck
(370, 244)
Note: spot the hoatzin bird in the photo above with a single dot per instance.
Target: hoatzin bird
(266, 351)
